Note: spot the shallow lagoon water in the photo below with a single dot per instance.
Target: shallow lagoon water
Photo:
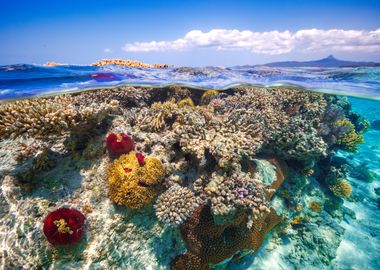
(359, 231)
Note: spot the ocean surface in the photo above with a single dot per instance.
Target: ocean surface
(360, 246)
(17, 81)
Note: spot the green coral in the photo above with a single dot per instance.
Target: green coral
(349, 139)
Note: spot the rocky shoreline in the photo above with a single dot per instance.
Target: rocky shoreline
(240, 166)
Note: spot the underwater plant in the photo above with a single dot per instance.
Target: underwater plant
(132, 179)
(64, 227)
(119, 144)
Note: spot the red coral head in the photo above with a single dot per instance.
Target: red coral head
(140, 157)
(119, 144)
(64, 227)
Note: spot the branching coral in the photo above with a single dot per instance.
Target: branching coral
(227, 194)
(131, 184)
(341, 189)
(46, 116)
(175, 205)
(283, 120)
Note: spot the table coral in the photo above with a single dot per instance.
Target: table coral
(132, 184)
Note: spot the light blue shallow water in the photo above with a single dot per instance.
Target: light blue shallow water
(30, 80)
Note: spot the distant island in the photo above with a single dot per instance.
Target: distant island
(128, 63)
(329, 61)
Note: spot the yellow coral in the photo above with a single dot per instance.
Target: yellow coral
(341, 189)
(208, 96)
(350, 139)
(154, 170)
(186, 102)
(131, 184)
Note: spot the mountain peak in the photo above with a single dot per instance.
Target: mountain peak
(331, 57)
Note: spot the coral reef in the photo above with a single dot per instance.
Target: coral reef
(128, 63)
(175, 205)
(64, 227)
(131, 184)
(220, 168)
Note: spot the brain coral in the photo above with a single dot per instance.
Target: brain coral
(175, 205)
(131, 184)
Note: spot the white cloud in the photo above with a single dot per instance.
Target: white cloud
(107, 50)
(272, 42)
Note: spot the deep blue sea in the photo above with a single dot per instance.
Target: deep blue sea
(17, 81)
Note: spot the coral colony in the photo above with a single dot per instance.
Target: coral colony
(205, 164)
(64, 227)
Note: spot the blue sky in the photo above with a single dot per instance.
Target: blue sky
(188, 32)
